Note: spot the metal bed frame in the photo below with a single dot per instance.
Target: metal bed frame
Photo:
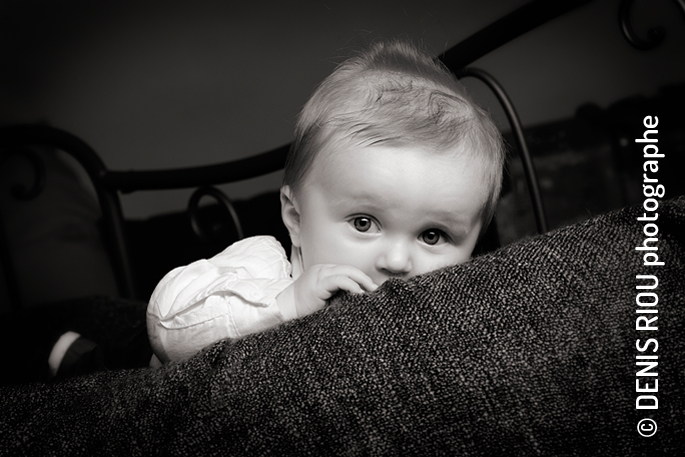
(110, 183)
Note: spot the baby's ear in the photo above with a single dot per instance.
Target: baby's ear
(290, 213)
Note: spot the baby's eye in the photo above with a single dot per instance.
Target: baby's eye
(362, 223)
(432, 237)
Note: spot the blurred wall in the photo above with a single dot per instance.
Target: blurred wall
(154, 84)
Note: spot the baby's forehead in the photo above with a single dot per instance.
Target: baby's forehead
(463, 154)
(392, 176)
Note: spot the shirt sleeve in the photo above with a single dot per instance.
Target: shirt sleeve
(230, 295)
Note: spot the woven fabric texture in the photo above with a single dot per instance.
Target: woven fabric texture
(530, 350)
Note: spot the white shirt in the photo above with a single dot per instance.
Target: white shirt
(230, 295)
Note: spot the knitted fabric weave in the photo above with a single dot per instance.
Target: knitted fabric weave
(526, 351)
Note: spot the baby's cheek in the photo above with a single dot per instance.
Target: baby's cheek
(454, 258)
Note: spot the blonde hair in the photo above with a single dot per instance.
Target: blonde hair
(394, 94)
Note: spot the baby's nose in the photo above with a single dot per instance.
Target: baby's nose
(396, 260)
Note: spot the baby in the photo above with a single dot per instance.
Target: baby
(394, 172)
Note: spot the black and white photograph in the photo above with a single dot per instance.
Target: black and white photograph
(342, 228)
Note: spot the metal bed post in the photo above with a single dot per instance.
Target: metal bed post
(20, 135)
(506, 29)
(517, 130)
(109, 183)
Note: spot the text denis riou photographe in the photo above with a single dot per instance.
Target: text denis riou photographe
(647, 298)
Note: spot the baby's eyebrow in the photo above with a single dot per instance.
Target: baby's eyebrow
(360, 199)
(452, 222)
(449, 217)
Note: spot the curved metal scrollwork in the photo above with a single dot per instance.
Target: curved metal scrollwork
(20, 191)
(194, 212)
(655, 35)
(517, 130)
(17, 136)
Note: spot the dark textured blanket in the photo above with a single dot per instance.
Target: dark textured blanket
(532, 350)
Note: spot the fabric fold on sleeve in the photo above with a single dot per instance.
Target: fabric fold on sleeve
(231, 295)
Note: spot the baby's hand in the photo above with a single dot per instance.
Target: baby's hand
(317, 284)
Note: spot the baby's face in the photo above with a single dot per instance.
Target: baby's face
(389, 211)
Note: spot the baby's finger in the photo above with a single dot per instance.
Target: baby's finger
(341, 282)
(358, 276)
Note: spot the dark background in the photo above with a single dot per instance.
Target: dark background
(157, 84)
(169, 84)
